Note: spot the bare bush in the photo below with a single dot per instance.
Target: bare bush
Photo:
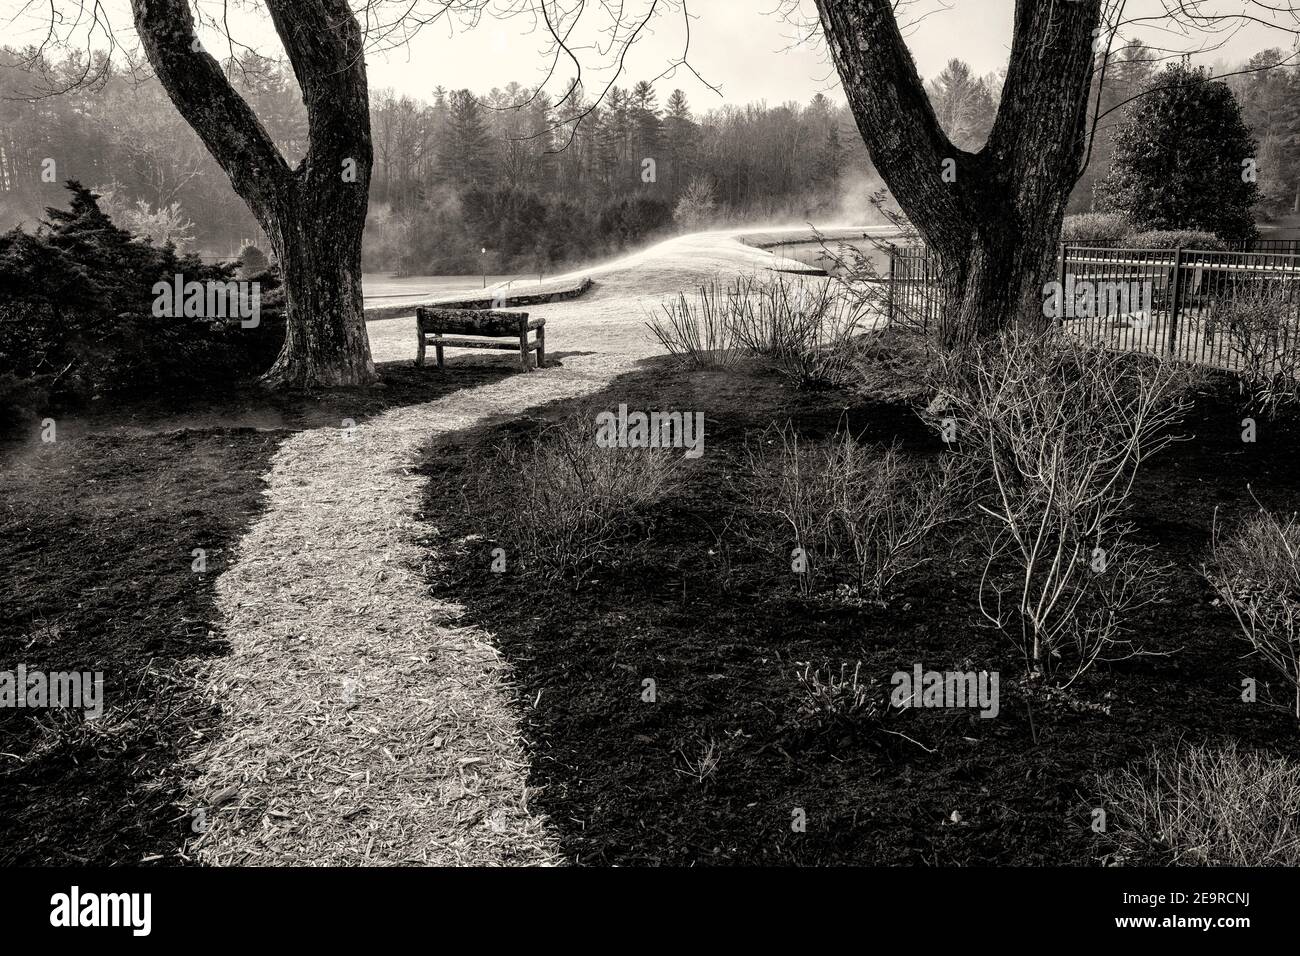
(1262, 321)
(561, 499)
(1059, 430)
(1209, 807)
(851, 506)
(701, 328)
(1256, 571)
(835, 698)
(811, 330)
(789, 480)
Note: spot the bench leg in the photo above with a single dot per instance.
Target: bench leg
(541, 346)
(438, 349)
(523, 350)
(419, 356)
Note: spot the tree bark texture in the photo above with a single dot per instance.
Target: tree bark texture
(995, 227)
(313, 215)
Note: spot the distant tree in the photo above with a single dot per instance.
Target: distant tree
(1269, 93)
(253, 261)
(964, 105)
(615, 143)
(465, 156)
(695, 208)
(1181, 159)
(166, 224)
(646, 124)
(829, 159)
(680, 137)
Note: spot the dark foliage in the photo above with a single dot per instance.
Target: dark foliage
(516, 230)
(77, 316)
(1179, 159)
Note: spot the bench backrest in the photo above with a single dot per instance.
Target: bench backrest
(471, 321)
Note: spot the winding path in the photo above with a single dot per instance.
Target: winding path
(362, 724)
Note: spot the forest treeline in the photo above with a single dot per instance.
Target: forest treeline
(509, 181)
(504, 181)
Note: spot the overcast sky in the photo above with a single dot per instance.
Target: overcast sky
(744, 47)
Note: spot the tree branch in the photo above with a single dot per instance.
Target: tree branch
(199, 89)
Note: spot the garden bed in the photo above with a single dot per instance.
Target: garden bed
(716, 768)
(96, 538)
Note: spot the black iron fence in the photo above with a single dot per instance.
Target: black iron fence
(1288, 246)
(914, 295)
(1233, 310)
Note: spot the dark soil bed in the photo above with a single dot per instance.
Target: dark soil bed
(96, 537)
(721, 631)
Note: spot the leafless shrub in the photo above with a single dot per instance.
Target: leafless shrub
(835, 698)
(850, 505)
(1208, 807)
(701, 328)
(1262, 321)
(1256, 571)
(561, 499)
(811, 330)
(1059, 430)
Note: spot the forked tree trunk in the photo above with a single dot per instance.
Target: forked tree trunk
(317, 239)
(314, 215)
(995, 225)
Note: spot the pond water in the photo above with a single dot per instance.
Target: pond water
(813, 254)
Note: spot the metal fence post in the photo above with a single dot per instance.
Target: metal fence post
(889, 301)
(1175, 298)
(1061, 318)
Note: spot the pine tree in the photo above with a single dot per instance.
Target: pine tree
(616, 141)
(465, 157)
(646, 126)
(679, 134)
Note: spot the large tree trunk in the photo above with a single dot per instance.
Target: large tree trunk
(995, 227)
(314, 215)
(317, 239)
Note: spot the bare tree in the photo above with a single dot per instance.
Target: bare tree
(313, 214)
(993, 216)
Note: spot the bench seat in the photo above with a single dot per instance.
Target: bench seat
(475, 328)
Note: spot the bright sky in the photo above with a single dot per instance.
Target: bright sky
(744, 47)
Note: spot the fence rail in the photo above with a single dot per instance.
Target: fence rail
(1224, 309)
(1288, 246)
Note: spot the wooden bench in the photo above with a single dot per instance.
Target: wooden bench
(448, 328)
